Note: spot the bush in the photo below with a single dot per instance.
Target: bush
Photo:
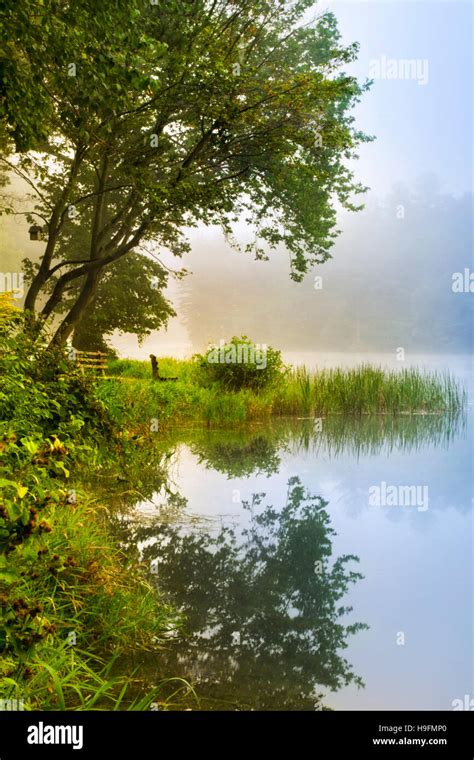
(48, 419)
(240, 363)
(41, 392)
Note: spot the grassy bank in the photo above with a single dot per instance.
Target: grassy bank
(75, 611)
(74, 608)
(365, 390)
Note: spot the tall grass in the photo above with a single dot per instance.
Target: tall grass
(369, 390)
(364, 390)
(73, 679)
(100, 597)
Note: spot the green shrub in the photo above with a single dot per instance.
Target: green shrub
(42, 392)
(240, 363)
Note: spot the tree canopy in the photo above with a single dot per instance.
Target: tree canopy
(129, 299)
(142, 119)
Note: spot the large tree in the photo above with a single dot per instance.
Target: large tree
(130, 296)
(168, 114)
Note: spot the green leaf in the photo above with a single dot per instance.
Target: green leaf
(8, 483)
(8, 576)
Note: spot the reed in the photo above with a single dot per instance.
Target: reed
(364, 390)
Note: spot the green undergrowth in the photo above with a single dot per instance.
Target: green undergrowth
(74, 608)
(131, 395)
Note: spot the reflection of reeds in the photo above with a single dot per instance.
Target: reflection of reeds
(257, 448)
(384, 433)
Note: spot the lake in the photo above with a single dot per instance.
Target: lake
(318, 563)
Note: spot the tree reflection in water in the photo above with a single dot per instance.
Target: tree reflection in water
(264, 625)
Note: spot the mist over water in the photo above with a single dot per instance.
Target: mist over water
(388, 285)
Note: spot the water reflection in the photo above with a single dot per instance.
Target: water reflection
(257, 449)
(263, 630)
(265, 622)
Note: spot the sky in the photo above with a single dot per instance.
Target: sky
(420, 128)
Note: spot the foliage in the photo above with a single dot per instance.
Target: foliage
(129, 296)
(39, 41)
(7, 308)
(176, 114)
(129, 299)
(62, 576)
(135, 399)
(240, 363)
(42, 393)
(61, 573)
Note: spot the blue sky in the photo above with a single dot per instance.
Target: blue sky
(420, 129)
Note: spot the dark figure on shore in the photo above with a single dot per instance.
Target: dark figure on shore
(155, 372)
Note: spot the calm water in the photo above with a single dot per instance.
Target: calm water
(300, 587)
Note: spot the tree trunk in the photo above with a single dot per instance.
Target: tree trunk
(87, 334)
(54, 226)
(40, 278)
(86, 297)
(32, 294)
